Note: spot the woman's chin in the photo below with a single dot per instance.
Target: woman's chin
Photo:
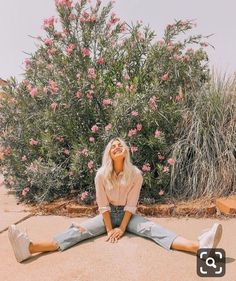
(118, 156)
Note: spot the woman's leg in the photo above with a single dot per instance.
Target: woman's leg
(183, 244)
(23, 247)
(43, 247)
(49, 246)
(164, 237)
(80, 231)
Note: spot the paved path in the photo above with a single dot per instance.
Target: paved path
(133, 258)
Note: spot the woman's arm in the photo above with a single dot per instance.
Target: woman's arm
(132, 201)
(103, 203)
(107, 220)
(125, 220)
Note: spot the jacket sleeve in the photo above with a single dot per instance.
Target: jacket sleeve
(133, 195)
(101, 197)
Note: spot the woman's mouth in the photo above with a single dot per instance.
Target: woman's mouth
(118, 150)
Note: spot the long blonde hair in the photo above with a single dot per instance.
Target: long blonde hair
(107, 166)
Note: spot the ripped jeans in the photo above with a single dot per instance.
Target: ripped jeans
(95, 226)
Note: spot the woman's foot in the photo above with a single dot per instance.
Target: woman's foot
(20, 243)
(211, 237)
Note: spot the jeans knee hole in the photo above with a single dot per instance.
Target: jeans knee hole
(145, 226)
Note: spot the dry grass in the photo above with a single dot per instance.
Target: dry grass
(206, 146)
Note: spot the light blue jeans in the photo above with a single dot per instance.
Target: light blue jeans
(95, 226)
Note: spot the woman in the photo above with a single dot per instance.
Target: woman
(118, 183)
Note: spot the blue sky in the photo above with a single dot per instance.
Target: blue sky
(19, 19)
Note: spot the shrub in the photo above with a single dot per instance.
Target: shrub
(91, 78)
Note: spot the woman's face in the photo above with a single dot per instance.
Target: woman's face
(117, 150)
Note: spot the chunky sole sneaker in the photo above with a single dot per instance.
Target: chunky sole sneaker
(211, 238)
(20, 243)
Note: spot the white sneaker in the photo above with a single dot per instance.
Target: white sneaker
(20, 243)
(210, 238)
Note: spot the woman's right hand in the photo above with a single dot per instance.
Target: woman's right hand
(109, 238)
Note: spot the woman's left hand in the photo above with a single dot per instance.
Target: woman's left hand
(118, 233)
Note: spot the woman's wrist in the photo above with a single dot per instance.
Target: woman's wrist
(122, 228)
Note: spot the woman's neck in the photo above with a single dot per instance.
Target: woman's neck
(118, 166)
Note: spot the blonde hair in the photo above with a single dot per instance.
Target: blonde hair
(107, 166)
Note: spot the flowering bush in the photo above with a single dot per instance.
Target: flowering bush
(94, 77)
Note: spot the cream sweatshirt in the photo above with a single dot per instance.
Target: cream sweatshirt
(124, 195)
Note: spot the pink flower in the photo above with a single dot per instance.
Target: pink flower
(66, 151)
(114, 19)
(33, 142)
(171, 161)
(90, 165)
(51, 51)
(134, 113)
(161, 42)
(93, 18)
(94, 128)
(60, 139)
(139, 127)
(25, 191)
(49, 22)
(133, 148)
(54, 105)
(108, 127)
(146, 167)
(67, 3)
(8, 151)
(161, 192)
(177, 57)
(34, 92)
(126, 77)
(70, 48)
(100, 60)
(85, 52)
(204, 44)
(70, 174)
(53, 86)
(92, 73)
(186, 58)
(83, 152)
(84, 195)
(119, 85)
(152, 103)
(90, 95)
(122, 27)
(48, 41)
(132, 132)
(106, 102)
(166, 169)
(27, 63)
(24, 158)
(157, 133)
(161, 157)
(33, 167)
(78, 76)
(130, 88)
(49, 66)
(78, 94)
(92, 139)
(178, 98)
(165, 77)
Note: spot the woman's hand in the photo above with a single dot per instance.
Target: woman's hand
(114, 235)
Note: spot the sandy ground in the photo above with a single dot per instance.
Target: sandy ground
(133, 258)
